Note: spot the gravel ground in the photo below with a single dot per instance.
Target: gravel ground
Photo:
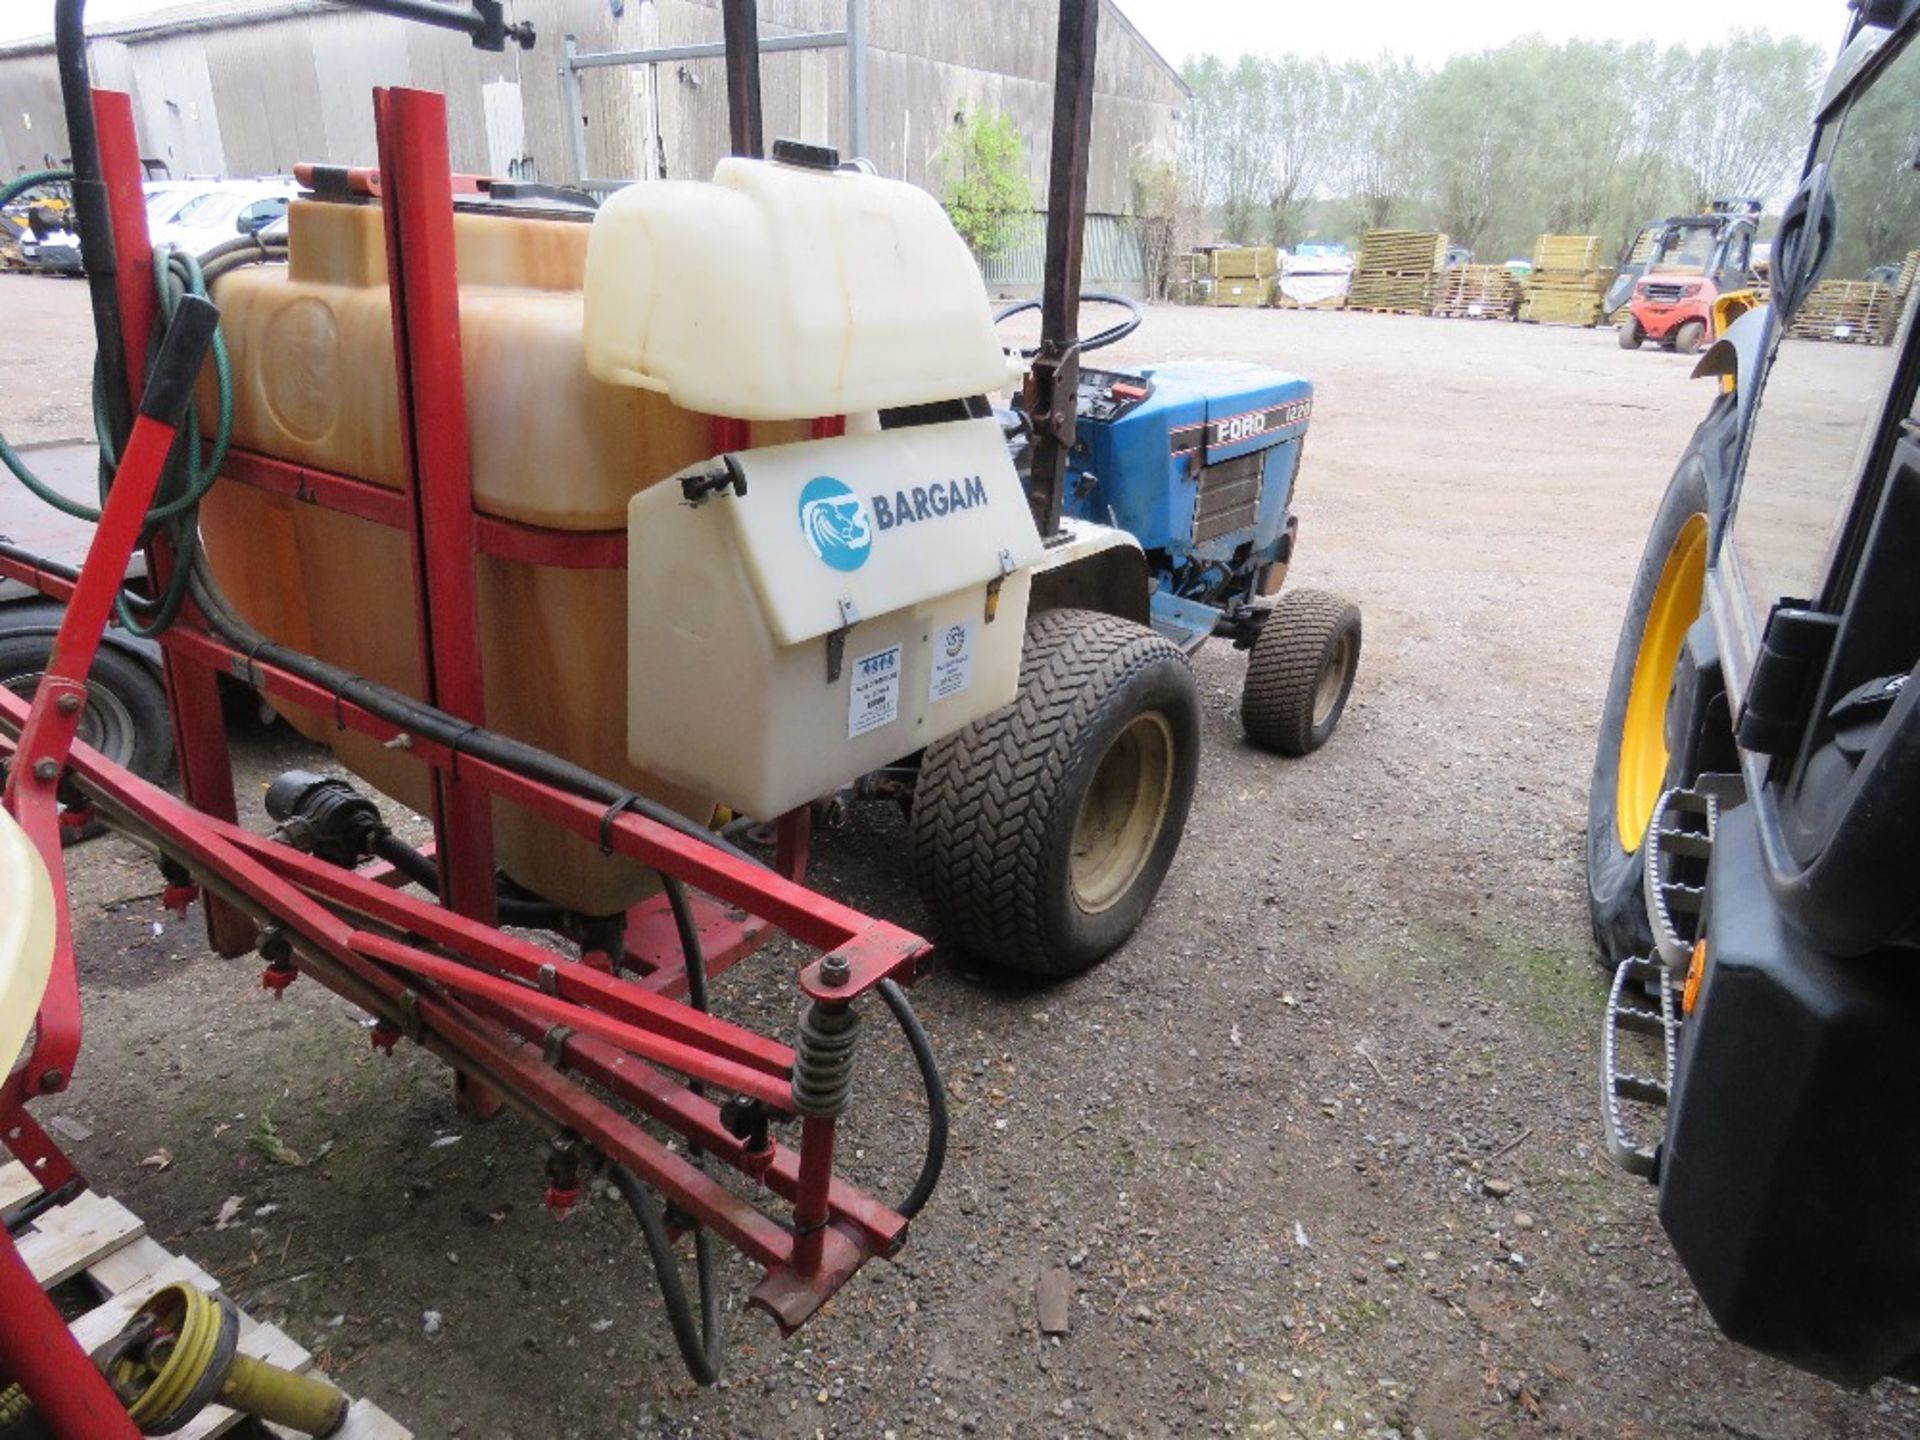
(1318, 1151)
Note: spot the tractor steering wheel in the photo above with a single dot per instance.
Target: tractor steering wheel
(1113, 334)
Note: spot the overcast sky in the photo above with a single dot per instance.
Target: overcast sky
(1428, 30)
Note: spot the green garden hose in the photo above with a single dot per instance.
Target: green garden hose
(191, 470)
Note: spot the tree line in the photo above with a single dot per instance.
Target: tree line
(1586, 137)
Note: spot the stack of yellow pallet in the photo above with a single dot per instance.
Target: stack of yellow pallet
(1243, 274)
(1476, 292)
(1908, 268)
(1396, 271)
(1863, 312)
(1184, 285)
(1567, 281)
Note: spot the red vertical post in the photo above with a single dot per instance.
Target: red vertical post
(416, 198)
(69, 1393)
(193, 693)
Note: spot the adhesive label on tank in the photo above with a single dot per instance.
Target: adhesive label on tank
(875, 696)
(952, 669)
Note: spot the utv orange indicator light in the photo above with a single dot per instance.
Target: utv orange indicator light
(1696, 972)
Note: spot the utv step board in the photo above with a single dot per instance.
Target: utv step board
(1790, 1175)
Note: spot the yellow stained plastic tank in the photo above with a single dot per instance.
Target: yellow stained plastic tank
(312, 351)
(771, 295)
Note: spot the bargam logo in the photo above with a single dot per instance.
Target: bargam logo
(835, 522)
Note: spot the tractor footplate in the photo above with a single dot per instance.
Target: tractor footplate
(1643, 1028)
(1679, 843)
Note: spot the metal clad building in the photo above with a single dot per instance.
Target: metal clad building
(242, 87)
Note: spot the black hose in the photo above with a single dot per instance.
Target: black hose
(511, 909)
(936, 1158)
(437, 725)
(699, 1340)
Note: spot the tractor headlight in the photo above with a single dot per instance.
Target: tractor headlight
(1689, 289)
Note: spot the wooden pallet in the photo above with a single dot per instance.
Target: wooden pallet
(1565, 297)
(1863, 312)
(1566, 252)
(1909, 267)
(1246, 293)
(1245, 262)
(1418, 252)
(1476, 292)
(98, 1237)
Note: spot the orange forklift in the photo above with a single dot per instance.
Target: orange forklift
(1695, 260)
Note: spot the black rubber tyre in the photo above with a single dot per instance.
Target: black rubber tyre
(126, 718)
(1008, 843)
(1631, 334)
(1301, 672)
(1686, 340)
(1616, 902)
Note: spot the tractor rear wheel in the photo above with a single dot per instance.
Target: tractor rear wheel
(1635, 760)
(1686, 340)
(1042, 832)
(1301, 672)
(1631, 333)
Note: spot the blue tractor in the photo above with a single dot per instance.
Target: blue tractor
(1197, 459)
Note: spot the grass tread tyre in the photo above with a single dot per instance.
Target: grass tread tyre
(1296, 645)
(995, 806)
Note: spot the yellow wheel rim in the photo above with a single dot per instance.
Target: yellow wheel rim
(1124, 812)
(1643, 733)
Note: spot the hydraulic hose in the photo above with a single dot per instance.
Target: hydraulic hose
(698, 1339)
(511, 909)
(936, 1157)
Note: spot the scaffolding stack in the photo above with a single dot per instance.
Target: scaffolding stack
(1567, 282)
(1243, 275)
(1476, 292)
(1397, 271)
(1858, 312)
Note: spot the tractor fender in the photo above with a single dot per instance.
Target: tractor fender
(1092, 567)
(42, 617)
(1736, 358)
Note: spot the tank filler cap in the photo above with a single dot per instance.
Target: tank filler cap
(805, 155)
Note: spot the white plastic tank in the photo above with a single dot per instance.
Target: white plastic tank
(864, 597)
(779, 291)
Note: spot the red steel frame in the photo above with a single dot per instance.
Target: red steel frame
(516, 1018)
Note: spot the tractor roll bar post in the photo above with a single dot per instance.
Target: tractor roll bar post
(1054, 381)
(741, 19)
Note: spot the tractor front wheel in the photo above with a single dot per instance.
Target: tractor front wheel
(1042, 832)
(1632, 332)
(1635, 762)
(1686, 340)
(1301, 672)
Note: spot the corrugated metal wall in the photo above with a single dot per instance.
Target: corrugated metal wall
(1111, 258)
(254, 94)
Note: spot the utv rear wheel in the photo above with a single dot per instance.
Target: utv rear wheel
(1631, 334)
(1301, 672)
(1686, 340)
(1634, 762)
(1042, 832)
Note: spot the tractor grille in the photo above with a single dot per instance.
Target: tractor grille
(1664, 294)
(1229, 498)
